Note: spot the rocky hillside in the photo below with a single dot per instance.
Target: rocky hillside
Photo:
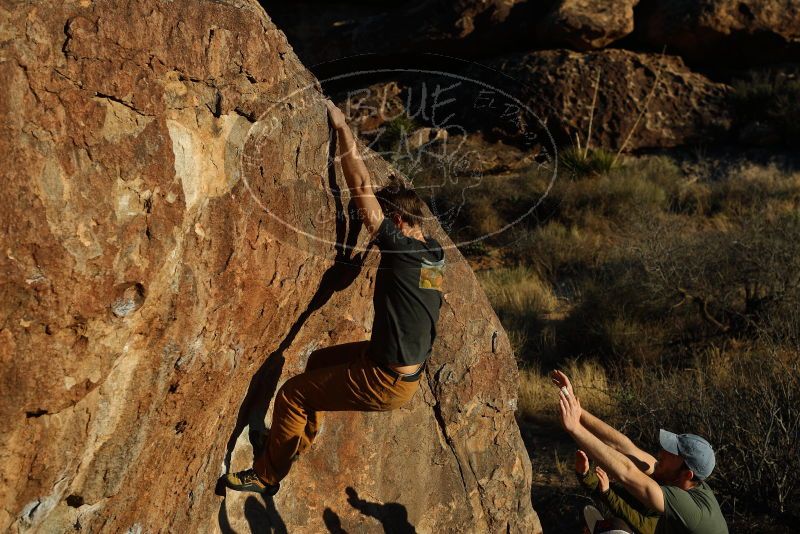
(706, 32)
(665, 69)
(175, 244)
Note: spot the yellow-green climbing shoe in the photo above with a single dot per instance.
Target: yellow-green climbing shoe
(248, 480)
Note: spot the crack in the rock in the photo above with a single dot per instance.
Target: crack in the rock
(76, 83)
(337, 277)
(439, 417)
(227, 262)
(297, 154)
(118, 100)
(40, 412)
(68, 35)
(188, 78)
(250, 116)
(208, 44)
(216, 110)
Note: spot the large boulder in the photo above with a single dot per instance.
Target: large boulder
(716, 32)
(587, 24)
(175, 243)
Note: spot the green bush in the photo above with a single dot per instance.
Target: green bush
(578, 163)
(394, 133)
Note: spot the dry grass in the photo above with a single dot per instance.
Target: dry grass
(523, 301)
(582, 220)
(555, 249)
(755, 189)
(518, 291)
(616, 195)
(538, 395)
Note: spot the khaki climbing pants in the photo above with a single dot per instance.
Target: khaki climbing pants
(338, 378)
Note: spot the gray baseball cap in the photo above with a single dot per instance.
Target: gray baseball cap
(695, 451)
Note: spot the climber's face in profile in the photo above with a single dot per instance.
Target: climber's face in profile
(404, 208)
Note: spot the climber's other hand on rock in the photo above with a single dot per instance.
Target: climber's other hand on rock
(335, 115)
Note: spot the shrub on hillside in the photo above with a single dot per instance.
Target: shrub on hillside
(578, 163)
(673, 294)
(746, 404)
(755, 191)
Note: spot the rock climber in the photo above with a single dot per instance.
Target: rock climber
(376, 375)
(662, 496)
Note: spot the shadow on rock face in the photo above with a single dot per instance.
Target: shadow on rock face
(332, 522)
(261, 517)
(339, 276)
(392, 515)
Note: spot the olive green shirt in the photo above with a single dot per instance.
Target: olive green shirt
(685, 512)
(691, 512)
(619, 503)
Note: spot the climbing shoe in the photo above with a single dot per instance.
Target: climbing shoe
(248, 480)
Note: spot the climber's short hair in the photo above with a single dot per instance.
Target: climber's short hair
(397, 199)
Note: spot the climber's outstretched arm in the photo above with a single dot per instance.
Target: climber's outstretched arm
(355, 172)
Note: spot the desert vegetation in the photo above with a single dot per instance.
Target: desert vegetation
(664, 281)
(668, 289)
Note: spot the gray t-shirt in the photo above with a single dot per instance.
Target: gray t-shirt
(408, 295)
(691, 512)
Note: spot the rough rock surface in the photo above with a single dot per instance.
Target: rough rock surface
(587, 24)
(688, 106)
(722, 31)
(556, 87)
(684, 107)
(154, 296)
